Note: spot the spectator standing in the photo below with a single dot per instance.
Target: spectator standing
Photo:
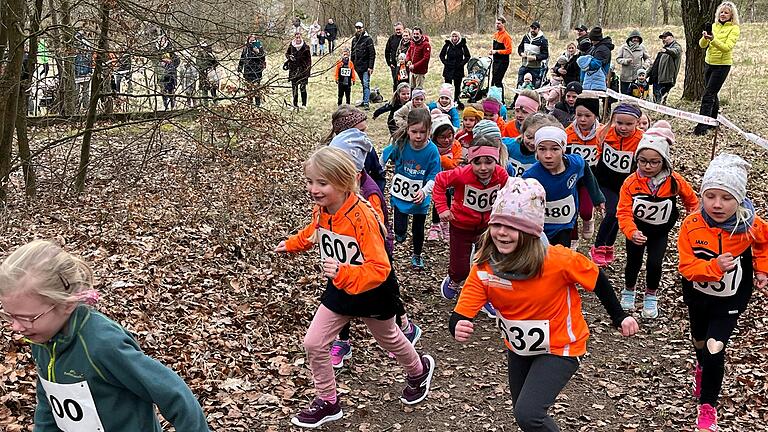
(313, 33)
(582, 33)
(299, 68)
(454, 55)
(391, 52)
(209, 75)
(168, 81)
(321, 41)
(363, 57)
(666, 66)
(418, 57)
(534, 50)
(632, 57)
(601, 49)
(253, 61)
(331, 34)
(570, 71)
(501, 50)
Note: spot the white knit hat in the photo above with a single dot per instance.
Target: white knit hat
(439, 118)
(657, 143)
(727, 172)
(555, 134)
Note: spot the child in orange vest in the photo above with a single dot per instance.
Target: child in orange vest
(344, 75)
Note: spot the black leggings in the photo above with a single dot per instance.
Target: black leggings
(535, 382)
(657, 247)
(456, 82)
(497, 77)
(417, 228)
(609, 227)
(299, 86)
(706, 326)
(714, 78)
(344, 91)
(562, 237)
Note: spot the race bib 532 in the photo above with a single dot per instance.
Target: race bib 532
(527, 337)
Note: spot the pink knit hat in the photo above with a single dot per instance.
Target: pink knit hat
(663, 129)
(520, 204)
(446, 90)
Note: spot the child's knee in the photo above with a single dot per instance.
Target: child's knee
(312, 344)
(528, 416)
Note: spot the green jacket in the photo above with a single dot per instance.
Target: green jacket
(720, 49)
(123, 381)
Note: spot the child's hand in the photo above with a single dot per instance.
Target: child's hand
(761, 280)
(331, 268)
(464, 330)
(446, 216)
(420, 196)
(638, 238)
(281, 247)
(726, 262)
(600, 208)
(628, 327)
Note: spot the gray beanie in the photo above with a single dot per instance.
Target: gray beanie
(486, 128)
(355, 143)
(729, 173)
(657, 143)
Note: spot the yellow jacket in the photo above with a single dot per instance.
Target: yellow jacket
(720, 49)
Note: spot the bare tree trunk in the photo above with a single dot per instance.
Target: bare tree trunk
(445, 12)
(665, 11)
(600, 12)
(698, 14)
(64, 61)
(13, 20)
(479, 13)
(565, 23)
(101, 58)
(500, 8)
(654, 12)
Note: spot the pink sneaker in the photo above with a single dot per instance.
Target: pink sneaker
(697, 381)
(608, 253)
(446, 229)
(597, 253)
(434, 233)
(707, 421)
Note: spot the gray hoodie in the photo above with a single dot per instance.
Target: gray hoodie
(632, 57)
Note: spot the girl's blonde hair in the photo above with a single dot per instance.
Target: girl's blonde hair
(734, 12)
(415, 116)
(538, 120)
(58, 275)
(526, 260)
(341, 111)
(495, 143)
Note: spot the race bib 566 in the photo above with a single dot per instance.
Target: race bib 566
(480, 200)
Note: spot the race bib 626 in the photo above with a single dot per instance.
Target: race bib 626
(617, 160)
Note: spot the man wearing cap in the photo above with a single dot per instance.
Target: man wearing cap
(534, 49)
(391, 52)
(417, 57)
(663, 73)
(582, 33)
(363, 57)
(601, 49)
(502, 48)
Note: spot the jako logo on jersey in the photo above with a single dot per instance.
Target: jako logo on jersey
(572, 181)
(702, 242)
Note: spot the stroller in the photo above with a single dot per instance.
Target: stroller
(475, 85)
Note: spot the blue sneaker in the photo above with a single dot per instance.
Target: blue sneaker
(340, 350)
(489, 310)
(628, 300)
(412, 333)
(399, 238)
(650, 306)
(417, 262)
(449, 288)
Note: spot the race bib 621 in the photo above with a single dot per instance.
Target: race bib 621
(652, 212)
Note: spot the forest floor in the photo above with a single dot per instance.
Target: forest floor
(179, 221)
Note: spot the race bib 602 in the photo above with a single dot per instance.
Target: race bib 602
(342, 248)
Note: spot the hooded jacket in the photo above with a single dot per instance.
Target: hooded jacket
(363, 53)
(454, 57)
(601, 52)
(123, 382)
(632, 58)
(419, 53)
(253, 61)
(667, 65)
(593, 74)
(720, 49)
(470, 195)
(390, 50)
(536, 45)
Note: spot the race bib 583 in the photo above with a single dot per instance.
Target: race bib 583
(404, 188)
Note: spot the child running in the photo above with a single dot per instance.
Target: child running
(446, 105)
(722, 247)
(450, 157)
(526, 104)
(400, 97)
(620, 138)
(470, 116)
(533, 287)
(360, 283)
(91, 373)
(561, 175)
(644, 123)
(476, 186)
(356, 145)
(522, 150)
(347, 117)
(583, 141)
(344, 75)
(647, 211)
(418, 96)
(417, 162)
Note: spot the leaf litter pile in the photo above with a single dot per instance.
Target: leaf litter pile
(180, 234)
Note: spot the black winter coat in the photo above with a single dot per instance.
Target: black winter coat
(300, 67)
(391, 52)
(252, 63)
(331, 31)
(572, 70)
(454, 57)
(363, 53)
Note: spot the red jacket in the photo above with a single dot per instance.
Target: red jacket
(418, 54)
(461, 179)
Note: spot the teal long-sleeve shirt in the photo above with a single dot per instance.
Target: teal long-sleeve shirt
(124, 382)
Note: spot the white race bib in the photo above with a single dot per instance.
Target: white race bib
(518, 168)
(725, 287)
(343, 249)
(561, 211)
(654, 213)
(587, 152)
(72, 406)
(527, 338)
(403, 74)
(617, 160)
(480, 200)
(404, 188)
(345, 72)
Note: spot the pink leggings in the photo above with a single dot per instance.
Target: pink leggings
(323, 330)
(586, 208)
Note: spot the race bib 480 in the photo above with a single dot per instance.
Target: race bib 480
(404, 188)
(72, 406)
(527, 337)
(561, 211)
(617, 160)
(480, 200)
